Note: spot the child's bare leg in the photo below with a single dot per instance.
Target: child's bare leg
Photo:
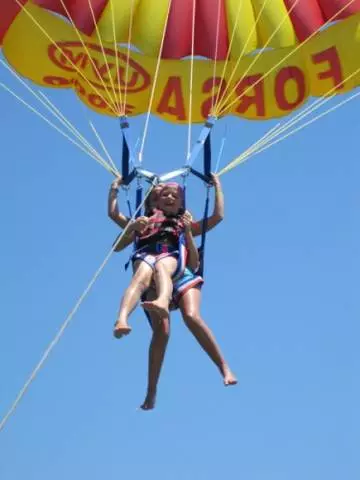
(159, 341)
(190, 308)
(164, 269)
(139, 284)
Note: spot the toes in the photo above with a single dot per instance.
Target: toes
(121, 331)
(230, 380)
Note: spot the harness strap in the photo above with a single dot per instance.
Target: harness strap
(205, 221)
(128, 176)
(125, 161)
(139, 197)
(207, 156)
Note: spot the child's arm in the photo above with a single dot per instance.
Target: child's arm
(113, 207)
(218, 213)
(125, 241)
(193, 254)
(137, 225)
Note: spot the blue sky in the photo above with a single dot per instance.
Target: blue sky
(281, 294)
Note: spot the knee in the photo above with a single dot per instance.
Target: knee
(192, 318)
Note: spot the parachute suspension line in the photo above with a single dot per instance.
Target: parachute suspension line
(276, 131)
(137, 143)
(128, 56)
(62, 119)
(55, 112)
(258, 144)
(241, 56)
(221, 151)
(96, 157)
(156, 76)
(266, 142)
(112, 101)
(191, 78)
(222, 110)
(138, 201)
(309, 122)
(50, 106)
(216, 50)
(63, 327)
(119, 96)
(257, 56)
(103, 146)
(241, 2)
(115, 99)
(267, 145)
(263, 140)
(311, 108)
(127, 160)
(76, 68)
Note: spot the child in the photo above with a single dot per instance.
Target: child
(165, 245)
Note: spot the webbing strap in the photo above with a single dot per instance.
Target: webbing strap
(205, 222)
(139, 195)
(205, 132)
(128, 176)
(125, 161)
(207, 157)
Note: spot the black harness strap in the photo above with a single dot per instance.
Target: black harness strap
(128, 176)
(139, 197)
(205, 220)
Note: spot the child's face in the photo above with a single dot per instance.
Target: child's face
(154, 195)
(170, 199)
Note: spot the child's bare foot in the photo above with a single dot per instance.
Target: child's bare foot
(121, 329)
(158, 307)
(149, 403)
(229, 378)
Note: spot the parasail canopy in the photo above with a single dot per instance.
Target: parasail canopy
(256, 59)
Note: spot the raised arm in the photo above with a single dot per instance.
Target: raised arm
(113, 207)
(193, 254)
(218, 212)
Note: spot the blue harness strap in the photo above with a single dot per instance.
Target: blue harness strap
(207, 173)
(139, 197)
(128, 176)
(207, 157)
(203, 141)
(125, 162)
